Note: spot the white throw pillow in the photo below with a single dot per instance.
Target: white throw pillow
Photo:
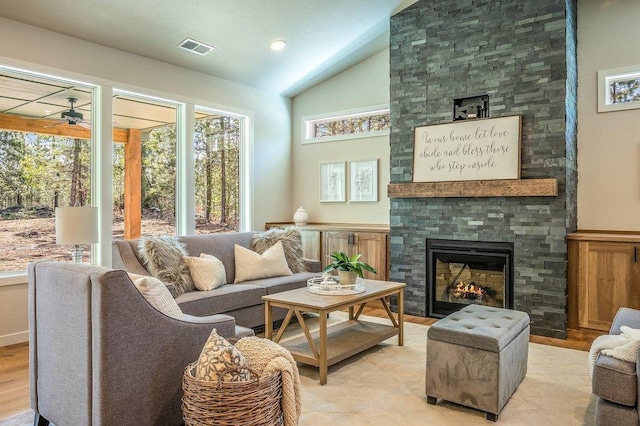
(158, 295)
(207, 272)
(253, 266)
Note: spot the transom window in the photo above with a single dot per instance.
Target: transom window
(366, 122)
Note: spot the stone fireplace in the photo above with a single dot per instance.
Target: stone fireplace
(522, 55)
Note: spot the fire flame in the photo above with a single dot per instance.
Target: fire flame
(471, 290)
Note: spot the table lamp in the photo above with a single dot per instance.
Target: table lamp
(76, 226)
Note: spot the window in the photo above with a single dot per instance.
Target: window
(48, 161)
(45, 162)
(365, 122)
(217, 171)
(145, 159)
(619, 89)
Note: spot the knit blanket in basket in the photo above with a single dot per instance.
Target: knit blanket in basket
(266, 357)
(622, 346)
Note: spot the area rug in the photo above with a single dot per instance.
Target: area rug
(385, 386)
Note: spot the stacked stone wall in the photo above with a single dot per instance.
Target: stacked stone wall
(522, 54)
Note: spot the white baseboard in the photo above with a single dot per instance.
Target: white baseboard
(12, 339)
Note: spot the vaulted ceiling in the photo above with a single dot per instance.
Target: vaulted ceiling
(323, 37)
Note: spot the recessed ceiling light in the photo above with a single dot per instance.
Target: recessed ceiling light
(47, 111)
(195, 46)
(278, 45)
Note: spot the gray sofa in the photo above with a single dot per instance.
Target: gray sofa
(243, 301)
(616, 382)
(100, 354)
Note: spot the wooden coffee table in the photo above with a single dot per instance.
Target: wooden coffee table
(329, 345)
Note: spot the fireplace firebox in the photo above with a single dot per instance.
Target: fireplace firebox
(461, 273)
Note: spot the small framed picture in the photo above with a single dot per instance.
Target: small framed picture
(364, 181)
(332, 182)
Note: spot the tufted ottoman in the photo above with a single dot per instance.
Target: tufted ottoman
(477, 357)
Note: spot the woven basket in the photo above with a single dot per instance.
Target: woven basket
(255, 402)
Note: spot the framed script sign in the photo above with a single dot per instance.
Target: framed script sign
(480, 149)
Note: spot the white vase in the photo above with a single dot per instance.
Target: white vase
(300, 217)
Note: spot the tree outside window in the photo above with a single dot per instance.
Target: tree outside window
(217, 171)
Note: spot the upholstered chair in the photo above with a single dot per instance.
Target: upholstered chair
(615, 382)
(100, 354)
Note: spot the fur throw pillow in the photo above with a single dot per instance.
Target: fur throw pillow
(291, 243)
(164, 259)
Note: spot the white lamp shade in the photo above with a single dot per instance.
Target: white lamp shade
(76, 225)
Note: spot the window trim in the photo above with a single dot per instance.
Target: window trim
(13, 278)
(605, 77)
(244, 171)
(102, 147)
(309, 120)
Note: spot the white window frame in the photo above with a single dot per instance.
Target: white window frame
(244, 170)
(309, 121)
(16, 277)
(102, 151)
(605, 78)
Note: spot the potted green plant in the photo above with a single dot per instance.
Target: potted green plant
(348, 267)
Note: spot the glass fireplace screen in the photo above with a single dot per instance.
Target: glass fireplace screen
(465, 275)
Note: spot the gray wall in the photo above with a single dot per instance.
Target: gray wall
(523, 56)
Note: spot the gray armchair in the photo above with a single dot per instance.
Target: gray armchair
(100, 354)
(615, 382)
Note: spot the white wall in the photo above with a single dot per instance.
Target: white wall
(608, 143)
(363, 85)
(35, 49)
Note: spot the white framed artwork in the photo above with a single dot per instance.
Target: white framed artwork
(617, 89)
(332, 182)
(363, 176)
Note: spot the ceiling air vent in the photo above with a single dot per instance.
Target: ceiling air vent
(195, 46)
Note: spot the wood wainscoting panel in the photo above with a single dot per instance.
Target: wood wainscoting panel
(609, 278)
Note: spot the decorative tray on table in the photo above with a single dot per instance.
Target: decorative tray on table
(330, 284)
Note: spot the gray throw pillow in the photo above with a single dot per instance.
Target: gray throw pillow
(164, 259)
(291, 243)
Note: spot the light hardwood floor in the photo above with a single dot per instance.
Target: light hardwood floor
(14, 362)
(14, 379)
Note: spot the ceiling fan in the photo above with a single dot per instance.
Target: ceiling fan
(72, 117)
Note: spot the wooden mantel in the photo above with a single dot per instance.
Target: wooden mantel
(476, 188)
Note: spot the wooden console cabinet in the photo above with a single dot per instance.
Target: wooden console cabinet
(371, 245)
(603, 275)
(320, 240)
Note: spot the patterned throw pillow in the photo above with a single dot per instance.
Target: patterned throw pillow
(163, 257)
(158, 296)
(291, 243)
(253, 266)
(216, 357)
(207, 272)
